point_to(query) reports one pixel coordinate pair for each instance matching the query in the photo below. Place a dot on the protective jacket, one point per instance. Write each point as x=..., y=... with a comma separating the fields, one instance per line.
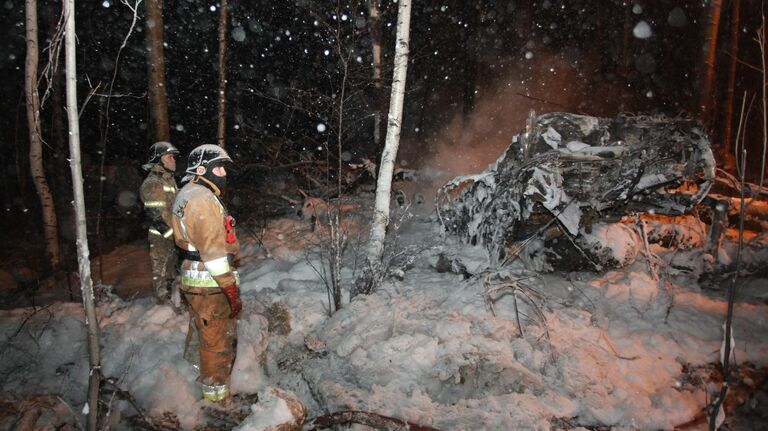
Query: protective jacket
x=158, y=192
x=206, y=238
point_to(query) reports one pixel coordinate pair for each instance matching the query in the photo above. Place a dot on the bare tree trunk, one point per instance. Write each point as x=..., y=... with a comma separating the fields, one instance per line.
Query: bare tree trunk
x=764, y=80
x=222, y=130
x=84, y=264
x=58, y=166
x=372, y=420
x=726, y=347
x=728, y=127
x=336, y=235
x=710, y=59
x=384, y=181
x=61, y=181
x=374, y=23
x=158, y=101
x=50, y=224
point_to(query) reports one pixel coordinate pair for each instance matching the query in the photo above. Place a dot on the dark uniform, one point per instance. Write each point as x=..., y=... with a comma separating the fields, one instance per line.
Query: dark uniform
x=158, y=193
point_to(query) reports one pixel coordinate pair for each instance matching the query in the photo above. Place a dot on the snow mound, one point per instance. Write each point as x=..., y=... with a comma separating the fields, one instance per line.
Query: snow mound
x=618, y=349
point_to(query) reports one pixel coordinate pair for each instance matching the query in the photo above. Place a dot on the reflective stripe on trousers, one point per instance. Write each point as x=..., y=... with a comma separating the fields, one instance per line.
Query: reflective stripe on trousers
x=215, y=393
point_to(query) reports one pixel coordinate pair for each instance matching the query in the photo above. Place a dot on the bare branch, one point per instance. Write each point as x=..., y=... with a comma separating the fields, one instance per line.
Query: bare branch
x=373, y=420
x=498, y=285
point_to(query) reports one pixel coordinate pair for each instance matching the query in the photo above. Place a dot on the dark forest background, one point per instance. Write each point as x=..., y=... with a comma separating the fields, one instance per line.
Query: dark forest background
x=476, y=69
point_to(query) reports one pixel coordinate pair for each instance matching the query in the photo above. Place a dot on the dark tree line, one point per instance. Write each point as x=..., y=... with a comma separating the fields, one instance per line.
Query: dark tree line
x=284, y=70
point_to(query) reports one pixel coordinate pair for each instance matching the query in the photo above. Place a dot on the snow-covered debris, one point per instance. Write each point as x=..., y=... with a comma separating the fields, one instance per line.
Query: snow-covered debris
x=619, y=349
x=607, y=169
x=277, y=410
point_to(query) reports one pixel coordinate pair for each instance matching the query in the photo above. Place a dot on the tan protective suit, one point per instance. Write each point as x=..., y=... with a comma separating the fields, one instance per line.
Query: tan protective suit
x=199, y=225
x=158, y=192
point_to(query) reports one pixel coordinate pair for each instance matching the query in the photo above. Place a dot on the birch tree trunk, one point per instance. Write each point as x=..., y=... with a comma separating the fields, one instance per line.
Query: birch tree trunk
x=158, y=100
x=50, y=224
x=395, y=116
x=374, y=23
x=84, y=264
x=222, y=130
x=710, y=60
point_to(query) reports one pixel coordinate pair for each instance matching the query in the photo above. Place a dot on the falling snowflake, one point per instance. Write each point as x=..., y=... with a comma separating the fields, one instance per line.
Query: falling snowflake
x=321, y=127
x=642, y=30
x=677, y=18
x=238, y=34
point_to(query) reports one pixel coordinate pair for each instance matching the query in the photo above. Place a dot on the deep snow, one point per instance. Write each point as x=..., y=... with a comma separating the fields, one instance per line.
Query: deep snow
x=619, y=349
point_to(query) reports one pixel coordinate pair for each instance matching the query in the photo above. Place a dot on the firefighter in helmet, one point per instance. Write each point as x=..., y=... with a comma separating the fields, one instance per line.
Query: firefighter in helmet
x=158, y=192
x=204, y=232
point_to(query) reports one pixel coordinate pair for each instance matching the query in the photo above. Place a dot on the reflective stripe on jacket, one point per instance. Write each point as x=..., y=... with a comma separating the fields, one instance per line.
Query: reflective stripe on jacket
x=158, y=192
x=199, y=224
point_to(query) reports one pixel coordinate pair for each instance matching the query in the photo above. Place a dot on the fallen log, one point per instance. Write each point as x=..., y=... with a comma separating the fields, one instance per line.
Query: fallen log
x=373, y=420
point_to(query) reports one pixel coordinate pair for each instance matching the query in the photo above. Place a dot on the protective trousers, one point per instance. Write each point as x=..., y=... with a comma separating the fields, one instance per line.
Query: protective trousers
x=162, y=254
x=216, y=336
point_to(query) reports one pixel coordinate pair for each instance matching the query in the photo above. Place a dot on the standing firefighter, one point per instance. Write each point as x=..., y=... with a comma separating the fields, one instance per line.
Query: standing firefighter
x=158, y=193
x=205, y=233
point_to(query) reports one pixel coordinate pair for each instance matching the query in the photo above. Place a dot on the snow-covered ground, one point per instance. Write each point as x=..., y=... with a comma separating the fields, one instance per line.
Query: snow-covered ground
x=623, y=348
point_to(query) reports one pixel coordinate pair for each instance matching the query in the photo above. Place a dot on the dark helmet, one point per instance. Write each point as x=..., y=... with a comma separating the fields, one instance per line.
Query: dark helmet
x=158, y=150
x=205, y=155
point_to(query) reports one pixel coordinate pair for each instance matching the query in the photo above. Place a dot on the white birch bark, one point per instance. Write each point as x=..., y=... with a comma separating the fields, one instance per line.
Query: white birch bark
x=84, y=264
x=392, y=142
x=36, y=168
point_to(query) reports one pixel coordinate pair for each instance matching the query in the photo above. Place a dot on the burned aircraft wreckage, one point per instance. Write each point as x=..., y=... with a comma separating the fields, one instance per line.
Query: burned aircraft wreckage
x=566, y=175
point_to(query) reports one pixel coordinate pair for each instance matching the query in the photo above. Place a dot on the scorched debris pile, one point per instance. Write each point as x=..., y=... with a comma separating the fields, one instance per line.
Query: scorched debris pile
x=564, y=173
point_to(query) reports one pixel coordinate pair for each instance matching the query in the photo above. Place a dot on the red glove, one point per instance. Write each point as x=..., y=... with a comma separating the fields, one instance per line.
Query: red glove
x=233, y=297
